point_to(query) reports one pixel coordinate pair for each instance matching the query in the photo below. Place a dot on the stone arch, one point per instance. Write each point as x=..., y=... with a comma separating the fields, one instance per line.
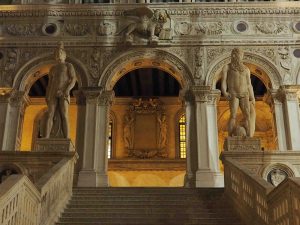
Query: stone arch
x=290, y=169
x=268, y=73
x=39, y=66
x=145, y=58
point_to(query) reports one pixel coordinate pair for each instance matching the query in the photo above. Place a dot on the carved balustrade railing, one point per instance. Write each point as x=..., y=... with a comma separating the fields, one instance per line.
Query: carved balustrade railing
x=19, y=201
x=284, y=203
x=137, y=1
x=40, y=203
x=258, y=201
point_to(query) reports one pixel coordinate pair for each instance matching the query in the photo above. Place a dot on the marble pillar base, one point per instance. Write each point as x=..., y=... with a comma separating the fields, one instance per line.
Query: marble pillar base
x=90, y=178
x=190, y=180
x=206, y=178
x=54, y=145
x=242, y=144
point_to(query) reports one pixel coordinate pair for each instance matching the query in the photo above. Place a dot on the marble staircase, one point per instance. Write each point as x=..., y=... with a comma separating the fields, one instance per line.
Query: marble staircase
x=149, y=206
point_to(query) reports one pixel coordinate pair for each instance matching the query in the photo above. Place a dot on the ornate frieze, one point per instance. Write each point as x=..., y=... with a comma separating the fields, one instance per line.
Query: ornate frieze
x=272, y=27
x=290, y=8
x=22, y=29
x=211, y=28
x=77, y=29
x=106, y=28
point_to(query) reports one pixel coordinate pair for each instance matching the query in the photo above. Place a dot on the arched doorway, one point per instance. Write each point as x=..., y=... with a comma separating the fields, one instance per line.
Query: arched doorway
x=146, y=134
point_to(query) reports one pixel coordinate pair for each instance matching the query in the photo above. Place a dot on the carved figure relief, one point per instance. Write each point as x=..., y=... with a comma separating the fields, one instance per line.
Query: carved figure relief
x=149, y=24
x=9, y=61
x=162, y=138
x=199, y=67
x=285, y=63
x=128, y=131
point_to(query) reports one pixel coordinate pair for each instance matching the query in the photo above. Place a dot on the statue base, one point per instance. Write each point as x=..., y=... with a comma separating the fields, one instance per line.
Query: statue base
x=242, y=144
x=54, y=145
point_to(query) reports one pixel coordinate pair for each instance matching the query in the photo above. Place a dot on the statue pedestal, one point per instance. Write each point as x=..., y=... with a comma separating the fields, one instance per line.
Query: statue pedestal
x=54, y=145
x=242, y=144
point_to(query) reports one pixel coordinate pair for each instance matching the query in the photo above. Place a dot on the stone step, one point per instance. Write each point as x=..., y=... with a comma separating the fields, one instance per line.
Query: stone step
x=175, y=219
x=148, y=206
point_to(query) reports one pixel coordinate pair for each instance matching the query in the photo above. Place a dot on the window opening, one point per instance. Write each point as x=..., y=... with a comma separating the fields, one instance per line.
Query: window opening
x=182, y=137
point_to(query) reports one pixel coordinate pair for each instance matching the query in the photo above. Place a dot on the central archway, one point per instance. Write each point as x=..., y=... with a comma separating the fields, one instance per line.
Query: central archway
x=146, y=107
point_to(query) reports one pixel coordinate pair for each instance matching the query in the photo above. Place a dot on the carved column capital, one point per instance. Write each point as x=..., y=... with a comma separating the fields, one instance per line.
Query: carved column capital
x=14, y=97
x=272, y=97
x=201, y=94
x=106, y=98
x=87, y=95
x=289, y=92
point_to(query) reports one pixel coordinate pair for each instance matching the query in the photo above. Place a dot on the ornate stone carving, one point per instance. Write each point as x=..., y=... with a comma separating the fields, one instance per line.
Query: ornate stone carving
x=9, y=63
x=53, y=145
x=215, y=28
x=271, y=27
x=77, y=29
x=199, y=65
x=106, y=98
x=106, y=28
x=276, y=176
x=145, y=129
x=149, y=24
x=242, y=144
x=213, y=53
x=183, y=28
x=285, y=63
x=22, y=29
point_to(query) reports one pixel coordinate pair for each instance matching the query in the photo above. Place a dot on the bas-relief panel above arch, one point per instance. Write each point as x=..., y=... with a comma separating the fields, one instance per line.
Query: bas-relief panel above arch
x=270, y=74
x=145, y=58
x=38, y=66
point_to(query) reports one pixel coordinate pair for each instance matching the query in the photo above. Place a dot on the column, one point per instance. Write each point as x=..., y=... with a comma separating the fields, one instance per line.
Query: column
x=191, y=138
x=289, y=98
x=12, y=104
x=208, y=173
x=277, y=111
x=91, y=136
x=87, y=136
x=105, y=102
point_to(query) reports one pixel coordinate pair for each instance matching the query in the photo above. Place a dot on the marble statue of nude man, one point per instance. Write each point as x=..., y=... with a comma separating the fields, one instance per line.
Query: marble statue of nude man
x=62, y=79
x=236, y=87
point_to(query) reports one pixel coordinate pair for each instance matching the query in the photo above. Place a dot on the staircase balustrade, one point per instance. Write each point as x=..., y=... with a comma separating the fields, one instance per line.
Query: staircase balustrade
x=257, y=201
x=22, y=202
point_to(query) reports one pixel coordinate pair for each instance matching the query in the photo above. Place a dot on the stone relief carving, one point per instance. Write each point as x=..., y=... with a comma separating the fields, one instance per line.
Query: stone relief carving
x=271, y=27
x=276, y=176
x=106, y=28
x=22, y=29
x=77, y=29
x=199, y=65
x=149, y=24
x=183, y=28
x=285, y=62
x=145, y=129
x=215, y=28
x=9, y=62
x=128, y=131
